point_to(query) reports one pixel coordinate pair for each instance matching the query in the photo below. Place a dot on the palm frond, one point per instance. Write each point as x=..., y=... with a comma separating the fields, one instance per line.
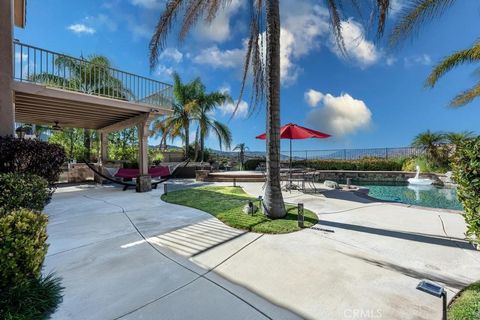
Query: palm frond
x=466, y=96
x=415, y=14
x=223, y=133
x=157, y=43
x=463, y=56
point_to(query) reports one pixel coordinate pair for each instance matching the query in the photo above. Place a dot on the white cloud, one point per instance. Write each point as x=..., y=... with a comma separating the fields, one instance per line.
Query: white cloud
x=341, y=115
x=420, y=59
x=303, y=25
x=357, y=48
x=101, y=21
x=219, y=30
x=313, y=97
x=229, y=107
x=217, y=58
x=80, y=28
x=163, y=70
x=172, y=54
x=396, y=6
x=148, y=4
x=390, y=61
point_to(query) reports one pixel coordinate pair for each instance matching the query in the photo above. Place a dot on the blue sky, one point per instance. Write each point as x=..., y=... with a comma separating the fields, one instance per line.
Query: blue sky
x=373, y=98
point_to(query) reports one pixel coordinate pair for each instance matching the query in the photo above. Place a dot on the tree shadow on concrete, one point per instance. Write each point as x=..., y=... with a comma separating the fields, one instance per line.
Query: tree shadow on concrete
x=411, y=236
x=417, y=274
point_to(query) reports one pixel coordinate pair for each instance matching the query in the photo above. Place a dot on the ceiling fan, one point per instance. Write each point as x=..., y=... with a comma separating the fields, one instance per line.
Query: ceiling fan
x=56, y=127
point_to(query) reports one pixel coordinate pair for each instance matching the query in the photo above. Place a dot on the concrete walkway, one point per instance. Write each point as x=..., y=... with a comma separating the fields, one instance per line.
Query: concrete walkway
x=125, y=255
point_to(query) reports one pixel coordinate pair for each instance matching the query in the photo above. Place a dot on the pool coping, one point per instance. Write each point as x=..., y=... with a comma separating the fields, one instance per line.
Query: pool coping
x=363, y=192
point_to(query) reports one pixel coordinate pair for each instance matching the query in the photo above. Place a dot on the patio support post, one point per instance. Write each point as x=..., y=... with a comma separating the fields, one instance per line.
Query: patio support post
x=7, y=113
x=144, y=181
x=103, y=147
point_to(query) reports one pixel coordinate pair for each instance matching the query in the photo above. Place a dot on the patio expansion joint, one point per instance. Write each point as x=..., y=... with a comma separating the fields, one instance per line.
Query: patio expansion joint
x=447, y=235
x=199, y=275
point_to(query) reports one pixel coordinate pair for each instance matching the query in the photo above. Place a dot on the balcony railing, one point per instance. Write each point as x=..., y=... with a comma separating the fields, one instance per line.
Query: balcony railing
x=90, y=76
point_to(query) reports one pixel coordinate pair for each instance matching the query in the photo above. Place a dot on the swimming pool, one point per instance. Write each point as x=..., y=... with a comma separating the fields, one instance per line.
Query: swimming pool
x=425, y=196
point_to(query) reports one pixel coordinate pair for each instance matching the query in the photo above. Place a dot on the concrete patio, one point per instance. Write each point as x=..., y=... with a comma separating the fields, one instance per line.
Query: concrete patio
x=127, y=255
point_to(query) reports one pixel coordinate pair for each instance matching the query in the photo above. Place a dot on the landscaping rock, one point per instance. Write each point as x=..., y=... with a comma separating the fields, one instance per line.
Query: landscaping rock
x=331, y=184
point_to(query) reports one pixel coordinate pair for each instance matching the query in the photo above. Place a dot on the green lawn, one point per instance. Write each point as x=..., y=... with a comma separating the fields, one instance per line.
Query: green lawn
x=467, y=304
x=226, y=204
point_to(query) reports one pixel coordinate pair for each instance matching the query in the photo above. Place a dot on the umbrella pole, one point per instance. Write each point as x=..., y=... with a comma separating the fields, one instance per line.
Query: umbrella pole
x=290, y=163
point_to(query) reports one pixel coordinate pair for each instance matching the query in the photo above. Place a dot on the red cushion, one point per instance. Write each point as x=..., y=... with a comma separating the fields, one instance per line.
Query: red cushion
x=133, y=173
x=127, y=173
x=159, y=172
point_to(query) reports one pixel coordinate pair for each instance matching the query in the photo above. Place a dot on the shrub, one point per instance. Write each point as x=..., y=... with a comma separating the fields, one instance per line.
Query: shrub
x=425, y=165
x=23, y=191
x=366, y=164
x=36, y=299
x=23, y=246
x=252, y=164
x=466, y=173
x=31, y=156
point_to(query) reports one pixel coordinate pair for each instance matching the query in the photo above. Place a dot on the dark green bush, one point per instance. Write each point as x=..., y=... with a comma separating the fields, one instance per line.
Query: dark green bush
x=31, y=156
x=466, y=173
x=367, y=164
x=23, y=246
x=252, y=164
x=36, y=299
x=23, y=191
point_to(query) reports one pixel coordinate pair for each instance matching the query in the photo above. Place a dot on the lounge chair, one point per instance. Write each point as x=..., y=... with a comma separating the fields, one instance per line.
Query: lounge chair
x=164, y=173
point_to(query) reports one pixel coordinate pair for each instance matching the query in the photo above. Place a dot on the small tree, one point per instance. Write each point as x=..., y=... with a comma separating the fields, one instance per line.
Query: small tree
x=466, y=173
x=241, y=147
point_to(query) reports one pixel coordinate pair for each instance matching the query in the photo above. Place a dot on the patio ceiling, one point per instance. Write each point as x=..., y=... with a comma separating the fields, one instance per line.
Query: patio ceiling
x=38, y=104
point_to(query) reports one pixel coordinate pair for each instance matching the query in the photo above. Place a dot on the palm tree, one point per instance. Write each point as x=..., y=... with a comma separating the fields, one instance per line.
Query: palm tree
x=185, y=104
x=457, y=138
x=430, y=142
x=265, y=72
x=241, y=147
x=416, y=15
x=91, y=75
x=207, y=104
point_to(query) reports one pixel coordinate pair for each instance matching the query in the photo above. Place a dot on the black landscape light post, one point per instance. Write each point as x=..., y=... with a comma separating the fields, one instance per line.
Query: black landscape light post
x=165, y=189
x=300, y=215
x=437, y=291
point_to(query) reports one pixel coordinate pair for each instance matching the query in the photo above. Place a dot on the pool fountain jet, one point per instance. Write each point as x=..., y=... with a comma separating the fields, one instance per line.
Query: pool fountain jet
x=419, y=181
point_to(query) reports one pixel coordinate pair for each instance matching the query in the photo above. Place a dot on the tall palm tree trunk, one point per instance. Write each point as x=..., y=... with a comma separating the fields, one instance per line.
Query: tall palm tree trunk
x=187, y=138
x=273, y=203
x=202, y=147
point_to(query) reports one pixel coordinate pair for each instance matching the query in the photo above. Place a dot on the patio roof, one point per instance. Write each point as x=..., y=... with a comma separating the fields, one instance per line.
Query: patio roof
x=39, y=104
x=81, y=94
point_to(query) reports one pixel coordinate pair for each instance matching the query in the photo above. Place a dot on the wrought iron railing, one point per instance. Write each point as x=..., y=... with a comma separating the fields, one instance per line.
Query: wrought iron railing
x=90, y=76
x=342, y=154
x=355, y=154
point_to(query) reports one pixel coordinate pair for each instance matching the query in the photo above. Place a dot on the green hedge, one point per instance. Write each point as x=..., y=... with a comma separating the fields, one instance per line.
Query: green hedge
x=252, y=164
x=23, y=191
x=370, y=164
x=31, y=156
x=466, y=173
x=23, y=246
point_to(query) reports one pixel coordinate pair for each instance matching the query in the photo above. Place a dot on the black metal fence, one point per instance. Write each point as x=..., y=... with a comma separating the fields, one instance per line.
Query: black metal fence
x=355, y=154
x=36, y=65
x=339, y=154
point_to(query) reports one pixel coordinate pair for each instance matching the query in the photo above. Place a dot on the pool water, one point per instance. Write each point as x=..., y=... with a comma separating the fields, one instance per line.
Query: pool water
x=425, y=196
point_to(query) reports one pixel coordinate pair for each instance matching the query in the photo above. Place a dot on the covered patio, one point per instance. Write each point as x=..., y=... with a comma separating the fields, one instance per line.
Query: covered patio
x=38, y=89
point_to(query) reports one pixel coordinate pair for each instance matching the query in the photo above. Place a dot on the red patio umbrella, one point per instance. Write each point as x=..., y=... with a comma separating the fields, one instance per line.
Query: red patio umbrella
x=293, y=131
